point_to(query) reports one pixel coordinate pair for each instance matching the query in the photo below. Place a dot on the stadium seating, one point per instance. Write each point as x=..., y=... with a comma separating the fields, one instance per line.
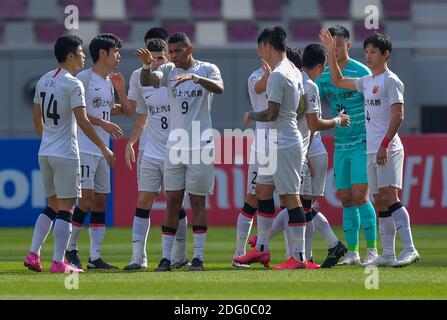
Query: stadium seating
x=334, y=9
x=109, y=9
x=85, y=8
x=211, y=33
x=242, y=31
x=267, y=9
x=397, y=9
x=180, y=26
x=232, y=21
x=305, y=30
x=237, y=9
x=13, y=9
x=140, y=9
x=206, y=9
x=121, y=29
x=46, y=32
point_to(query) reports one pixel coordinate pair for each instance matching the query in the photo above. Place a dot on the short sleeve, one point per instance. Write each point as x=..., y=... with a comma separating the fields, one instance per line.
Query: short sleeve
x=395, y=91
x=213, y=72
x=359, y=83
x=77, y=96
x=141, y=106
x=163, y=73
x=134, y=86
x=275, y=87
x=37, y=93
x=83, y=77
x=312, y=99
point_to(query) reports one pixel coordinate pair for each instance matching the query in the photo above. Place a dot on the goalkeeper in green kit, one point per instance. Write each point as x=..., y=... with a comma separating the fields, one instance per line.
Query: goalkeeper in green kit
x=350, y=156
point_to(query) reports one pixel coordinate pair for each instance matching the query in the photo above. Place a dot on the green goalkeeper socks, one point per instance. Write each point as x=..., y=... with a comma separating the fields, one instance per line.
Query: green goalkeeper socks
x=351, y=226
x=369, y=224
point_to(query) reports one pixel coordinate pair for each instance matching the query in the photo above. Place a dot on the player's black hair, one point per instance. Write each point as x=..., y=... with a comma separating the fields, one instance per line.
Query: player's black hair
x=156, y=33
x=275, y=36
x=313, y=55
x=64, y=45
x=295, y=56
x=339, y=31
x=158, y=45
x=105, y=41
x=180, y=37
x=380, y=41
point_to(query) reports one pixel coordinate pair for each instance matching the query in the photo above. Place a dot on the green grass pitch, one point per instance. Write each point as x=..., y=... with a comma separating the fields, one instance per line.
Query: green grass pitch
x=424, y=280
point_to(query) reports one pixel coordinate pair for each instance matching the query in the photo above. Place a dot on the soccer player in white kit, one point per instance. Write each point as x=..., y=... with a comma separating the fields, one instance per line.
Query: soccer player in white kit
x=384, y=112
x=191, y=85
x=314, y=166
x=284, y=89
x=59, y=106
x=100, y=83
x=141, y=222
x=257, y=83
x=153, y=112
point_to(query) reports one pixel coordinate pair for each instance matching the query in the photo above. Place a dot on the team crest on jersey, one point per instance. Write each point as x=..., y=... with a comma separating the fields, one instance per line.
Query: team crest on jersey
x=375, y=89
x=98, y=102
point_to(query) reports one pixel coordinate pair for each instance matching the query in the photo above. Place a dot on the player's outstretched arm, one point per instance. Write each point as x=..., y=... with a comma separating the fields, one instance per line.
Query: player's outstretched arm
x=212, y=85
x=137, y=131
x=270, y=114
x=125, y=106
x=113, y=129
x=337, y=78
x=316, y=124
x=37, y=120
x=86, y=126
x=147, y=77
x=261, y=85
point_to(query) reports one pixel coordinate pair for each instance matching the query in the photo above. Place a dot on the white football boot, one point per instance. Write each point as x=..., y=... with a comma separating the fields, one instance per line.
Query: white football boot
x=407, y=257
x=352, y=258
x=371, y=255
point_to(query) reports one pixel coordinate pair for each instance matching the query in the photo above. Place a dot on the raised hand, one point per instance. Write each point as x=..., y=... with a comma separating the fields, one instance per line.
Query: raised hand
x=145, y=56
x=118, y=81
x=327, y=39
x=266, y=67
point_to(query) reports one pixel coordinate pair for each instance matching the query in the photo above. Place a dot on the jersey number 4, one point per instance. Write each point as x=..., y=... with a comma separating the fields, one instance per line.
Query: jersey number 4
x=52, y=104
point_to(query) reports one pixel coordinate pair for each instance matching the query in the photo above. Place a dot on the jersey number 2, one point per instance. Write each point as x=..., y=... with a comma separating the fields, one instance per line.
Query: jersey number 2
x=52, y=104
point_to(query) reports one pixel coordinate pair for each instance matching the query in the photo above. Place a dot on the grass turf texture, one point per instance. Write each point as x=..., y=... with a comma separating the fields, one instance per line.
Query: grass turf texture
x=424, y=280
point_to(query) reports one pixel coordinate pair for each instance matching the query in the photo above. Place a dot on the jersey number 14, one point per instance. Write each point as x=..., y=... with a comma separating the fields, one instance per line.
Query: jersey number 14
x=52, y=104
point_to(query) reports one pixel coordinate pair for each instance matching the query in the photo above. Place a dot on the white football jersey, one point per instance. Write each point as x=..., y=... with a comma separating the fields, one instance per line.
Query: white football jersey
x=156, y=106
x=100, y=99
x=135, y=93
x=58, y=92
x=380, y=93
x=311, y=105
x=190, y=106
x=259, y=103
x=285, y=87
